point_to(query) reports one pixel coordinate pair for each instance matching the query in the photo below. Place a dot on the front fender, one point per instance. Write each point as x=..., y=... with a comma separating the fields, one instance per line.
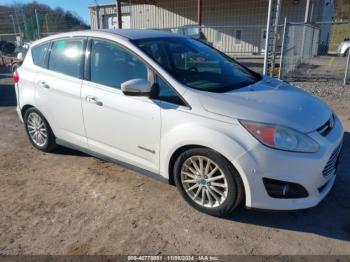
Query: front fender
x=345, y=48
x=226, y=144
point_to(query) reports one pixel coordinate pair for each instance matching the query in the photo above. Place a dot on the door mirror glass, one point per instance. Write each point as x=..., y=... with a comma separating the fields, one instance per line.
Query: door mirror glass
x=137, y=87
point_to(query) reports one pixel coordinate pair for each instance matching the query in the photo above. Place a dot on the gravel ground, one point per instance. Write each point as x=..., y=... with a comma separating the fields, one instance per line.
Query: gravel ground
x=70, y=203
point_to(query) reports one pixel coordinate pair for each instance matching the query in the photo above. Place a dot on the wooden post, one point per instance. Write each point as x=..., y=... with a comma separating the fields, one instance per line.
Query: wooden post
x=199, y=12
x=119, y=13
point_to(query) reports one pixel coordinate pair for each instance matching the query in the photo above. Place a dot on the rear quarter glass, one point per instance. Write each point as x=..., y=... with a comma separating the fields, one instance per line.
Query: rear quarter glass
x=38, y=54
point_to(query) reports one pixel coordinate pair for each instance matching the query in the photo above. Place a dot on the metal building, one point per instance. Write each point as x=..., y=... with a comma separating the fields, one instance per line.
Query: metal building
x=237, y=27
x=105, y=16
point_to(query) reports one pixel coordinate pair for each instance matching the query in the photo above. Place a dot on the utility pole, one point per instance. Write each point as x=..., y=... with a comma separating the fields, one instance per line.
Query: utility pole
x=37, y=23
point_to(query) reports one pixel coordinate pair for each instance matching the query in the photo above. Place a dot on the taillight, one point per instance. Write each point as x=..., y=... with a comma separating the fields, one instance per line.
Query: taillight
x=15, y=77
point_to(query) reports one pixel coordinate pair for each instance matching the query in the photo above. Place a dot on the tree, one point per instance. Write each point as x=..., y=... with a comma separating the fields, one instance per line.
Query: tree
x=18, y=18
x=342, y=10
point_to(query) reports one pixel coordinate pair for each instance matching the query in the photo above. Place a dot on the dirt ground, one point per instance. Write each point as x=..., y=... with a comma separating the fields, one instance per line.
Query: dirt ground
x=321, y=68
x=70, y=203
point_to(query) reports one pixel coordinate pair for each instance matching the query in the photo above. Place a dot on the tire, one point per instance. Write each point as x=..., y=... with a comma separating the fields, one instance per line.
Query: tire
x=222, y=204
x=33, y=119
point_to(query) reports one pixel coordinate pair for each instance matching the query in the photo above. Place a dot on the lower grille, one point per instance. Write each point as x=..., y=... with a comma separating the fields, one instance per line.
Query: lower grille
x=331, y=165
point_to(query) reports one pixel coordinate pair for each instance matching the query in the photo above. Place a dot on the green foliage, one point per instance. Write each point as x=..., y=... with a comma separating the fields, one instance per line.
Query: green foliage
x=50, y=20
x=342, y=10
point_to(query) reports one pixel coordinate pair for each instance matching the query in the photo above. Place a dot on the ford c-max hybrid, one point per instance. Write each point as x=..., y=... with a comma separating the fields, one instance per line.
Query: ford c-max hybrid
x=181, y=111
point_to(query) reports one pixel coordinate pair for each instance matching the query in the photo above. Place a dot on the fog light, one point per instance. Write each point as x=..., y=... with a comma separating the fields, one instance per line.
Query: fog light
x=283, y=189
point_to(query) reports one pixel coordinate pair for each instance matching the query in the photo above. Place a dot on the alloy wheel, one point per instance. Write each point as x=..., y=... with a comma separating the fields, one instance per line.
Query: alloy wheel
x=204, y=182
x=37, y=129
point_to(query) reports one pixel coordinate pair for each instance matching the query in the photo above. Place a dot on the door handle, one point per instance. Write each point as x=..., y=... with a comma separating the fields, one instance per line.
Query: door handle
x=94, y=100
x=42, y=83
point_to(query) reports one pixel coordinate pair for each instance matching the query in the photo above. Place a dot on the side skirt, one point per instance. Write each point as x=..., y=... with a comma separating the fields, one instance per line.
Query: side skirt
x=112, y=160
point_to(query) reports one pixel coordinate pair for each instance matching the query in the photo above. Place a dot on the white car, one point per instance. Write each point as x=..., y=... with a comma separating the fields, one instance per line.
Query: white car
x=344, y=47
x=183, y=112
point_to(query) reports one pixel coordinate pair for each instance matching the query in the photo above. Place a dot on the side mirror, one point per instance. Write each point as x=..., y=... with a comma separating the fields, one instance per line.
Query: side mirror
x=137, y=87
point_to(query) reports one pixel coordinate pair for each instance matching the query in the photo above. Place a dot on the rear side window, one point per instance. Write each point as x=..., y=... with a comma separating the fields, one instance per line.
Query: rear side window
x=111, y=65
x=66, y=57
x=38, y=54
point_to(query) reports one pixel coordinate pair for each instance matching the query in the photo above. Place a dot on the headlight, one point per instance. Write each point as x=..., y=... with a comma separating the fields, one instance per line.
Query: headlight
x=282, y=138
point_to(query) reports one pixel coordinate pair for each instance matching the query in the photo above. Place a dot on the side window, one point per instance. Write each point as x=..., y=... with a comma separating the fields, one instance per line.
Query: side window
x=66, y=57
x=38, y=54
x=112, y=65
x=167, y=93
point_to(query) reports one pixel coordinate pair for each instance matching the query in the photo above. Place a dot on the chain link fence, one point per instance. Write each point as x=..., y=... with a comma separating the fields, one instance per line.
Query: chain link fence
x=311, y=51
x=19, y=27
x=236, y=28
x=311, y=55
x=301, y=43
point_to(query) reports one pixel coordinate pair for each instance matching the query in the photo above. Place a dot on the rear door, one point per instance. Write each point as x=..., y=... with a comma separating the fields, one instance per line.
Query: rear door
x=58, y=89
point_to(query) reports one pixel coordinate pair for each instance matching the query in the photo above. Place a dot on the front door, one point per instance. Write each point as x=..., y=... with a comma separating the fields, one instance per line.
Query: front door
x=119, y=126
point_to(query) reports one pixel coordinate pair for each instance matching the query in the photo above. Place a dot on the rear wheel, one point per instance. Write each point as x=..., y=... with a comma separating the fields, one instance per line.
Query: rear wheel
x=39, y=131
x=207, y=181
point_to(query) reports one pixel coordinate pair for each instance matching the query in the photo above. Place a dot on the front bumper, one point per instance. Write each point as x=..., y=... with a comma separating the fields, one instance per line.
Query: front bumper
x=304, y=169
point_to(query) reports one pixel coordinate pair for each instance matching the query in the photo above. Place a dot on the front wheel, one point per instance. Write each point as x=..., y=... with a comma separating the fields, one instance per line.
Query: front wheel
x=208, y=182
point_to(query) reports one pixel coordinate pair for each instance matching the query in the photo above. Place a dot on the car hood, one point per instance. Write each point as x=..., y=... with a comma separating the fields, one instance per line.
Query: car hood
x=270, y=101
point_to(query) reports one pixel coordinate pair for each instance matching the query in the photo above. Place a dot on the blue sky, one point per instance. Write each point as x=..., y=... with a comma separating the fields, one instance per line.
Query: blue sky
x=78, y=6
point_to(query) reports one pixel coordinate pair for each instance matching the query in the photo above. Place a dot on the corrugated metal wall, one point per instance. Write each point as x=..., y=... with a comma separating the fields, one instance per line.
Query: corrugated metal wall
x=165, y=14
x=222, y=19
x=105, y=10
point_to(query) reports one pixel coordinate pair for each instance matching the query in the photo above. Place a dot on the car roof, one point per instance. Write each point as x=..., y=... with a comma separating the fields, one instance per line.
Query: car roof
x=135, y=34
x=131, y=34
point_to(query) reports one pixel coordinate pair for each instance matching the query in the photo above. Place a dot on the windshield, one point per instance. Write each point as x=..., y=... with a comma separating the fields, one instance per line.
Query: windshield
x=197, y=65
